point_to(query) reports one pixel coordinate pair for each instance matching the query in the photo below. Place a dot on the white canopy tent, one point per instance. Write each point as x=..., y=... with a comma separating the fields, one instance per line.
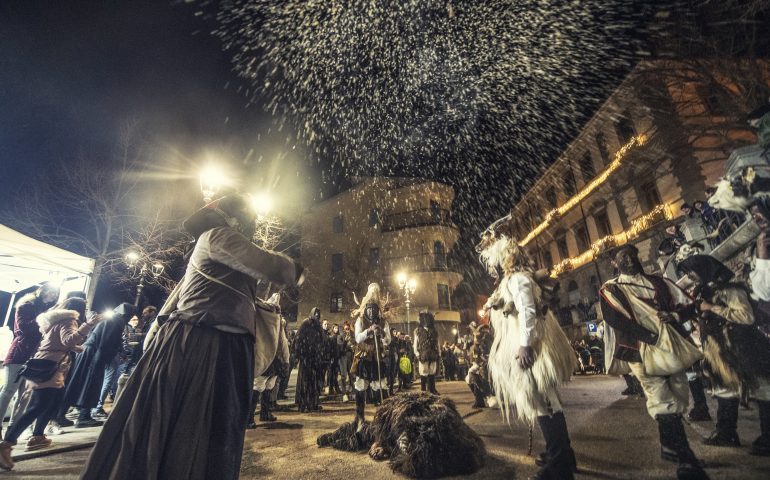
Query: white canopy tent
x=25, y=262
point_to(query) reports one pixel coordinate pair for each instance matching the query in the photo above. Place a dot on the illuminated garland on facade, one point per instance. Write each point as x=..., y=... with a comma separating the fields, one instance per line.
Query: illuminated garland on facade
x=553, y=216
x=656, y=215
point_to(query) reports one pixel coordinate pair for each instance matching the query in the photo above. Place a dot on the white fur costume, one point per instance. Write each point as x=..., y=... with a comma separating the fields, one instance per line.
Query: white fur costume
x=516, y=321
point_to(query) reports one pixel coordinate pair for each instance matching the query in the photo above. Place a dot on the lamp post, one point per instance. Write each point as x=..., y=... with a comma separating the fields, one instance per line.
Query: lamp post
x=408, y=286
x=142, y=269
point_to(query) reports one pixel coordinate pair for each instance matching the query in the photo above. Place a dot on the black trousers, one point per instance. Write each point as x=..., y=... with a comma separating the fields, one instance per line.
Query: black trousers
x=42, y=407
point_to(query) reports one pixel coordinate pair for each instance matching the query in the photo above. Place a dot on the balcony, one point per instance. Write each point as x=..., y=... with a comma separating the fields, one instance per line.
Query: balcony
x=424, y=217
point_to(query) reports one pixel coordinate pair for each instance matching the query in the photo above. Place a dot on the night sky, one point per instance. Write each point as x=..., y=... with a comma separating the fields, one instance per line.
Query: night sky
x=71, y=73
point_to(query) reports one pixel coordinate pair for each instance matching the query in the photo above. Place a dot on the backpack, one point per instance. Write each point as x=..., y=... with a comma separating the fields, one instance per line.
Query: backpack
x=404, y=365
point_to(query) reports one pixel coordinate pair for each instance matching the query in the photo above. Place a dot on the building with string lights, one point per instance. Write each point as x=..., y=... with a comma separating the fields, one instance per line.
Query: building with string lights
x=397, y=232
x=656, y=143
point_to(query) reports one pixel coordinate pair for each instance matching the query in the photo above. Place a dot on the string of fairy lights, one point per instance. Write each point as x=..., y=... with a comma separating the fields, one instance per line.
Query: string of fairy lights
x=554, y=215
x=658, y=214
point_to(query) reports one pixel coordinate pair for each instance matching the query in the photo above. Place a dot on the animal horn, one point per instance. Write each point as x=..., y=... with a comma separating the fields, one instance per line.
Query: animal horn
x=355, y=299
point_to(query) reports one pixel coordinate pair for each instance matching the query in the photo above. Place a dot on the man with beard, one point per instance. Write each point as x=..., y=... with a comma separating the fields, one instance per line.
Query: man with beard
x=308, y=346
x=372, y=335
x=633, y=304
x=426, y=351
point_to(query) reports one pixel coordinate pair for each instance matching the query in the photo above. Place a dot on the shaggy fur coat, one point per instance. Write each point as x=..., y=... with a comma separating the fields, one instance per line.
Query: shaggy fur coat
x=736, y=353
x=423, y=436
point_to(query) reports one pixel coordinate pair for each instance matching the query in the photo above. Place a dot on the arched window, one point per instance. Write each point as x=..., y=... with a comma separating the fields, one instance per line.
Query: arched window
x=439, y=254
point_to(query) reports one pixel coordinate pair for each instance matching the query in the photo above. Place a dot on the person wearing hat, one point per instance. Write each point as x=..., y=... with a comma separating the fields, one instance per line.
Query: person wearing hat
x=184, y=411
x=427, y=352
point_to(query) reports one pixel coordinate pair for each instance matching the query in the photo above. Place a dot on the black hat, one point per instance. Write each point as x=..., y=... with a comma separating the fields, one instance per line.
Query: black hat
x=233, y=210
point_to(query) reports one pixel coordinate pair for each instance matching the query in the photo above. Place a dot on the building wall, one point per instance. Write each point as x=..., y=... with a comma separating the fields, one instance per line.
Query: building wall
x=682, y=157
x=406, y=234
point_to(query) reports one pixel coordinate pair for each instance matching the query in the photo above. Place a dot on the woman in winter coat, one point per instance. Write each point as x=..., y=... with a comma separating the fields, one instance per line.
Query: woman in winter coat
x=26, y=338
x=87, y=377
x=61, y=333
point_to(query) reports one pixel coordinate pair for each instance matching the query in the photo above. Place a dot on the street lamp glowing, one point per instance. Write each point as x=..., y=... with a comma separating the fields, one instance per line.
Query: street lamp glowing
x=132, y=258
x=412, y=284
x=107, y=314
x=211, y=180
x=157, y=269
x=401, y=277
x=262, y=203
x=482, y=313
x=454, y=331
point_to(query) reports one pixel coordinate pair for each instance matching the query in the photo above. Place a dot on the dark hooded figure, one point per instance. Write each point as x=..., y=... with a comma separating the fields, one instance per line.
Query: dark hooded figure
x=87, y=377
x=426, y=349
x=736, y=353
x=307, y=348
x=183, y=412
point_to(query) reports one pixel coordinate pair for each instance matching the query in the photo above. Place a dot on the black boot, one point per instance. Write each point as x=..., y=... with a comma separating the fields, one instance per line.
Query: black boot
x=432, y=384
x=726, y=434
x=674, y=447
x=761, y=446
x=478, y=395
x=360, y=406
x=700, y=409
x=264, y=408
x=559, y=460
x=630, y=387
x=423, y=383
x=254, y=400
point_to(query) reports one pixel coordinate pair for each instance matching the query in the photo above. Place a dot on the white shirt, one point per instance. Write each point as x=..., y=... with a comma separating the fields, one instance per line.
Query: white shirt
x=521, y=288
x=362, y=334
x=760, y=279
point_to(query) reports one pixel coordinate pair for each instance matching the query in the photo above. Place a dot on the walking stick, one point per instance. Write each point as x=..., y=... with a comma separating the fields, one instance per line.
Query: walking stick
x=379, y=373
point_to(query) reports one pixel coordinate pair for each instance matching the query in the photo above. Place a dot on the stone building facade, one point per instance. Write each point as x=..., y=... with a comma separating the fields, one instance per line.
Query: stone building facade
x=372, y=232
x=692, y=116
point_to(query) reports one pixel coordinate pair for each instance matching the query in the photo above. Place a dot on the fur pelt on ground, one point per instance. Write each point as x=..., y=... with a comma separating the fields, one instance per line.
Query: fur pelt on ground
x=423, y=436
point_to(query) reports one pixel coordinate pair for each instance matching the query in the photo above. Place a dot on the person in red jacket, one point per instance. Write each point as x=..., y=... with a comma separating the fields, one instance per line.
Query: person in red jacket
x=26, y=338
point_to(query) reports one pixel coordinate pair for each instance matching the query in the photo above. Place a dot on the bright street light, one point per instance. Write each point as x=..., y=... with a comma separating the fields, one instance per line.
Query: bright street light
x=132, y=258
x=262, y=203
x=212, y=179
x=482, y=313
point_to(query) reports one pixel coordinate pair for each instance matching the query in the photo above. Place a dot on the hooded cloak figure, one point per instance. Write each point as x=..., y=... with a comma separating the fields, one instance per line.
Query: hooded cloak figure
x=530, y=355
x=372, y=335
x=307, y=348
x=736, y=353
x=427, y=351
x=184, y=411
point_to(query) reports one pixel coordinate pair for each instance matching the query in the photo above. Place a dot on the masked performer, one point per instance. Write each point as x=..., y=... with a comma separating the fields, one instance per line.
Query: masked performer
x=637, y=306
x=307, y=347
x=372, y=335
x=530, y=355
x=184, y=411
x=266, y=383
x=427, y=352
x=478, y=373
x=737, y=354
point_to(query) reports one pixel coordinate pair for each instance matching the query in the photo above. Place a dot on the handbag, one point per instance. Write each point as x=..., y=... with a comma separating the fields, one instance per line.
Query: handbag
x=671, y=353
x=38, y=370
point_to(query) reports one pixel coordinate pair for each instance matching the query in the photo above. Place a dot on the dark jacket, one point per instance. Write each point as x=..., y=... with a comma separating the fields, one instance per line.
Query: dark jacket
x=101, y=346
x=26, y=332
x=220, y=284
x=427, y=344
